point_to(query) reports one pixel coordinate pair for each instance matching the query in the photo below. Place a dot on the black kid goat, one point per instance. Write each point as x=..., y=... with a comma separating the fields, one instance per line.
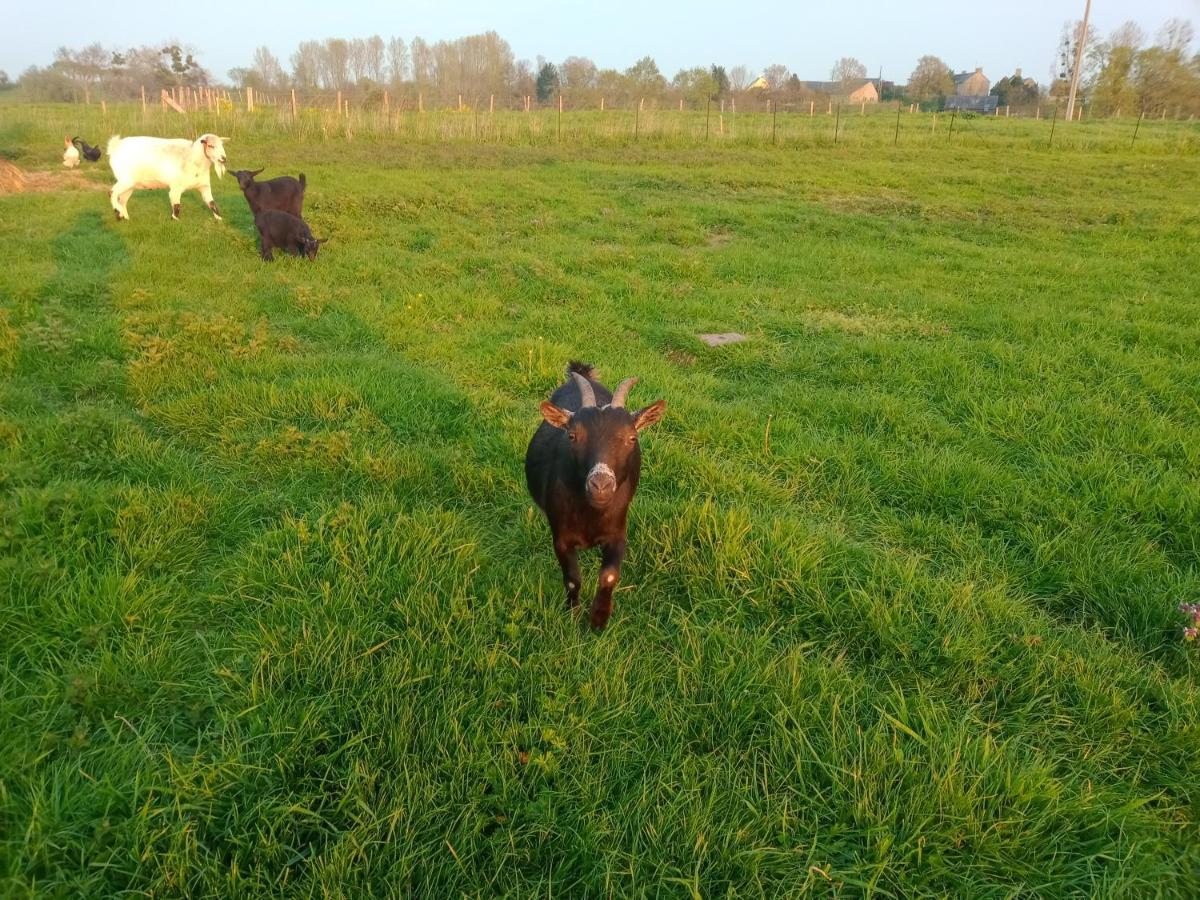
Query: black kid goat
x=582, y=468
x=285, y=192
x=287, y=232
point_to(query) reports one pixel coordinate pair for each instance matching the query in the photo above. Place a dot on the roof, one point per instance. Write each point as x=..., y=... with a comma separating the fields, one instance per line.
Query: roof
x=836, y=87
x=960, y=77
x=986, y=103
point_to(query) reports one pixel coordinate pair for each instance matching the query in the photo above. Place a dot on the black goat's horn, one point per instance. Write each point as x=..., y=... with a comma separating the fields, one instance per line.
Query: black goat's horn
x=587, y=395
x=622, y=391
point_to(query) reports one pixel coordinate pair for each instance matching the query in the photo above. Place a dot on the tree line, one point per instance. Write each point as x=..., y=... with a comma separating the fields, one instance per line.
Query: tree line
x=1123, y=73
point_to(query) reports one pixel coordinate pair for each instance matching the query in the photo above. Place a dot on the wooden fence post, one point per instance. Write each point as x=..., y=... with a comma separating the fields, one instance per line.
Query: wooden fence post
x=293, y=106
x=707, y=115
x=491, y=104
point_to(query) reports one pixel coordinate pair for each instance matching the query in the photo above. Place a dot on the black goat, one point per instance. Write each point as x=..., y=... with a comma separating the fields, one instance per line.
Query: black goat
x=582, y=468
x=285, y=192
x=86, y=150
x=287, y=232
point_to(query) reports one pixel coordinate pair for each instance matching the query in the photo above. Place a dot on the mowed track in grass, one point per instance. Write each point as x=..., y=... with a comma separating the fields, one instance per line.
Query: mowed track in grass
x=898, y=616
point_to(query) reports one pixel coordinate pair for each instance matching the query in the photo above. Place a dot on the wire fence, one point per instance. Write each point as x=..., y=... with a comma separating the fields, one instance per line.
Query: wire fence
x=797, y=123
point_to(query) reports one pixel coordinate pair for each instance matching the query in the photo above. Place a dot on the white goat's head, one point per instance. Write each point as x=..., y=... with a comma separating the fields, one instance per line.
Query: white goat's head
x=214, y=151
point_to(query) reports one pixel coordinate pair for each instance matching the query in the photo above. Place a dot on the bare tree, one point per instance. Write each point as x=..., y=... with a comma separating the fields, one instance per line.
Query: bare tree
x=848, y=69
x=375, y=59
x=398, y=60
x=335, y=64
x=358, y=59
x=422, y=62
x=776, y=75
x=1176, y=34
x=739, y=78
x=306, y=65
x=268, y=70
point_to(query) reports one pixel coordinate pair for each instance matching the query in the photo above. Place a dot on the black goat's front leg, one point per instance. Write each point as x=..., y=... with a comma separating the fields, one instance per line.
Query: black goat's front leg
x=610, y=573
x=568, y=558
x=266, y=251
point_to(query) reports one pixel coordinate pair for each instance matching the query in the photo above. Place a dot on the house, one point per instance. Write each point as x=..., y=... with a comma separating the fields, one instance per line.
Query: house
x=859, y=90
x=972, y=84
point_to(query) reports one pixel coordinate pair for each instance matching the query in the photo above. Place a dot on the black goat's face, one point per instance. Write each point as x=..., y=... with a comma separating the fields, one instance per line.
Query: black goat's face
x=245, y=178
x=603, y=442
x=312, y=246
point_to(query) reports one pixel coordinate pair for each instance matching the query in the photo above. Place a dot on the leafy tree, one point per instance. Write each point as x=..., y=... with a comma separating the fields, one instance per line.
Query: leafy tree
x=643, y=76
x=578, y=73
x=931, y=79
x=721, y=79
x=1015, y=90
x=548, y=81
x=1112, y=87
x=696, y=85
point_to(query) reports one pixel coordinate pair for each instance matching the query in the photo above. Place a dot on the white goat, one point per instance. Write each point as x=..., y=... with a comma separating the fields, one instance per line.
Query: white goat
x=70, y=155
x=176, y=164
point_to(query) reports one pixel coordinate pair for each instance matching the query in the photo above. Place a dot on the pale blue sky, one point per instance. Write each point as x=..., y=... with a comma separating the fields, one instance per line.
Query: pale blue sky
x=806, y=37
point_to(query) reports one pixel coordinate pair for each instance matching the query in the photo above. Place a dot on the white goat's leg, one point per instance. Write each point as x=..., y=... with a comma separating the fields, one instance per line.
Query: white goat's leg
x=206, y=195
x=118, y=197
x=176, y=194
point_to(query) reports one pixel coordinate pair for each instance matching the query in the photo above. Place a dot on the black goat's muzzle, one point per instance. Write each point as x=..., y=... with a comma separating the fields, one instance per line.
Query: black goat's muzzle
x=601, y=485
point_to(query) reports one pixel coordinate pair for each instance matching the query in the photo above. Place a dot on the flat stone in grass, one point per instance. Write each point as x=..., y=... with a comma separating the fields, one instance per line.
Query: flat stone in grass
x=720, y=340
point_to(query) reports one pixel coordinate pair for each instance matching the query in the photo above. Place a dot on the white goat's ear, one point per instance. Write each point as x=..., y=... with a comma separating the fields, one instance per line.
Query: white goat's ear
x=648, y=415
x=224, y=139
x=555, y=416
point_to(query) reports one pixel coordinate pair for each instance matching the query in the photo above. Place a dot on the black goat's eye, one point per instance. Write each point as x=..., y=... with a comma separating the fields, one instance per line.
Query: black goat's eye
x=571, y=436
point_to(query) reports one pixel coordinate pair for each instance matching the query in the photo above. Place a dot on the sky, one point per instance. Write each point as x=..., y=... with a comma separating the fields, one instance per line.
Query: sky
x=806, y=37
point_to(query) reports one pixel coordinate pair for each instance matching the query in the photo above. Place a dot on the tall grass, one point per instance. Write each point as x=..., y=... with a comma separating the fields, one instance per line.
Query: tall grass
x=900, y=612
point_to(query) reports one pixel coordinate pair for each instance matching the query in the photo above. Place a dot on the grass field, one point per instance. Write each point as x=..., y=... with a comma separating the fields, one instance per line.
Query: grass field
x=899, y=616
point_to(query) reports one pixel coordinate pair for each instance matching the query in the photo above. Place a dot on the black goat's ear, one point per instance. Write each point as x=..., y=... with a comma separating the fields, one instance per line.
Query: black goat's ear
x=648, y=415
x=555, y=416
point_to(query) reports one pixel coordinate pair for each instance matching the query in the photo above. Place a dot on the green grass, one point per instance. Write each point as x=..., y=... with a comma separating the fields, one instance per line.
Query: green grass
x=899, y=614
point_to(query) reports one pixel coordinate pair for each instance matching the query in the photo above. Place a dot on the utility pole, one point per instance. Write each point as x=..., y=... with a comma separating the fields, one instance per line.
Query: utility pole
x=1082, y=39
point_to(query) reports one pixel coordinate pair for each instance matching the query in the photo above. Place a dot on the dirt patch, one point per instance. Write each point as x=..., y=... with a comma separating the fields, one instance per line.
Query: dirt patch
x=720, y=340
x=719, y=238
x=15, y=180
